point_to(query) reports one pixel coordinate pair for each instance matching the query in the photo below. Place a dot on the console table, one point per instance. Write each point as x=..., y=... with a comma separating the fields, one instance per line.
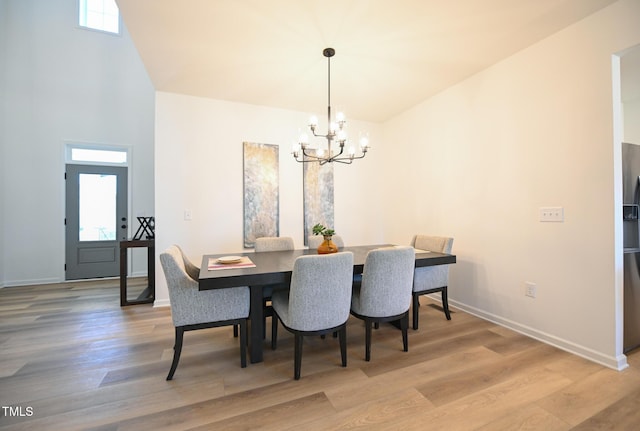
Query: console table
x=148, y=295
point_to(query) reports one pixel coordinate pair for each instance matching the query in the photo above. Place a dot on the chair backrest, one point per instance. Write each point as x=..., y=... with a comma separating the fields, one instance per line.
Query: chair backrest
x=431, y=277
x=387, y=280
x=191, y=306
x=314, y=241
x=192, y=270
x=274, y=243
x=179, y=283
x=320, y=294
x=438, y=244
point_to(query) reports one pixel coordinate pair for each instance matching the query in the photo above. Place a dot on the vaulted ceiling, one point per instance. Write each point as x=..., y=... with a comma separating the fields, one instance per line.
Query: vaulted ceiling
x=390, y=55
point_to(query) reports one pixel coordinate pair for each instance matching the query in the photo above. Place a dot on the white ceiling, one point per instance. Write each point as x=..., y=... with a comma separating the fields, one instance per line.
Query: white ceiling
x=390, y=55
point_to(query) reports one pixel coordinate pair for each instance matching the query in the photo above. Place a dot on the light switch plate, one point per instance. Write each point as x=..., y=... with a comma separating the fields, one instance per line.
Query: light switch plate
x=530, y=289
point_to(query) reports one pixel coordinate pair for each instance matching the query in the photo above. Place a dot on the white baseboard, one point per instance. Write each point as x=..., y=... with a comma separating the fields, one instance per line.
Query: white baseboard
x=159, y=303
x=618, y=363
x=14, y=283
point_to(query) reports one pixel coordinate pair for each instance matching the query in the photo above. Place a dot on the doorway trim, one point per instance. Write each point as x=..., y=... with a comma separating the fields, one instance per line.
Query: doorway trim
x=67, y=153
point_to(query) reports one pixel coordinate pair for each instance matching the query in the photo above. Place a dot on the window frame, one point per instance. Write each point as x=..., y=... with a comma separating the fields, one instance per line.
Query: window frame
x=70, y=146
x=81, y=5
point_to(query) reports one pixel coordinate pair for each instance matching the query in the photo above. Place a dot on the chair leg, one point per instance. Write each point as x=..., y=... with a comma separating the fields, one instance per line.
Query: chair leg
x=342, y=335
x=445, y=303
x=274, y=331
x=298, y=356
x=177, y=349
x=404, y=326
x=243, y=343
x=367, y=340
x=267, y=311
x=415, y=306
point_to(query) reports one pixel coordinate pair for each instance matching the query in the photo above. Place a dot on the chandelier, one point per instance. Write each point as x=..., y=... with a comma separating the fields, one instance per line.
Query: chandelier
x=335, y=132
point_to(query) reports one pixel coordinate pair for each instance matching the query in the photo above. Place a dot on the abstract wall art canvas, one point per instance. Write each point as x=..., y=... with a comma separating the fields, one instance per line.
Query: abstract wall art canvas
x=318, y=196
x=261, y=193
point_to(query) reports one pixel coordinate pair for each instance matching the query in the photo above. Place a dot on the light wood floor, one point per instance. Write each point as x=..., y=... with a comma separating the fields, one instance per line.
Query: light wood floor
x=71, y=356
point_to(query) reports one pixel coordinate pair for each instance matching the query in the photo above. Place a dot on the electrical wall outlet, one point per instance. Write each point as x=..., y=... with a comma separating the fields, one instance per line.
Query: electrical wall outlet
x=553, y=214
x=530, y=289
x=188, y=215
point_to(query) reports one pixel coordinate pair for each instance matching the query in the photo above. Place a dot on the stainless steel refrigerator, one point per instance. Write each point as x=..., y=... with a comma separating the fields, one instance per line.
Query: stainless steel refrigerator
x=631, y=195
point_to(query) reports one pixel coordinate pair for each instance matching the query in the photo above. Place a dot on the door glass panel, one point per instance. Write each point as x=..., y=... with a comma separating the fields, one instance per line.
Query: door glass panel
x=97, y=199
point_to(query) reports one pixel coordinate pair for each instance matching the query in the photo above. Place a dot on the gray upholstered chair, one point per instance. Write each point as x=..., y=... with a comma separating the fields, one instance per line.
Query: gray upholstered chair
x=431, y=279
x=271, y=243
x=317, y=302
x=314, y=241
x=193, y=309
x=385, y=291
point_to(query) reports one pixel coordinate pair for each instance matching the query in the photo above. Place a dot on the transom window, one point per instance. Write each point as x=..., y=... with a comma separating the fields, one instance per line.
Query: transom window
x=96, y=155
x=99, y=15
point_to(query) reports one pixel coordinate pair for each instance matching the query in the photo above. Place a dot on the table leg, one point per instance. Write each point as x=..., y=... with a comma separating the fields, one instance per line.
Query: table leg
x=123, y=276
x=256, y=317
x=151, y=271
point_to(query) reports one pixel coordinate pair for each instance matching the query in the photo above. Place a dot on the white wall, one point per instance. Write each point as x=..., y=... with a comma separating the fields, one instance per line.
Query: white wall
x=198, y=166
x=632, y=120
x=62, y=83
x=630, y=84
x=534, y=130
x=3, y=127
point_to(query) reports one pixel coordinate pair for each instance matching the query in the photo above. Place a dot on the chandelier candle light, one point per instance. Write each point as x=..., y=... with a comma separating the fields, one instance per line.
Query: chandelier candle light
x=336, y=131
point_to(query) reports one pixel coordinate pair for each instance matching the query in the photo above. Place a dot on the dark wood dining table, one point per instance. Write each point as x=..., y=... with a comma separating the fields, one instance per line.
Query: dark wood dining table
x=274, y=267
